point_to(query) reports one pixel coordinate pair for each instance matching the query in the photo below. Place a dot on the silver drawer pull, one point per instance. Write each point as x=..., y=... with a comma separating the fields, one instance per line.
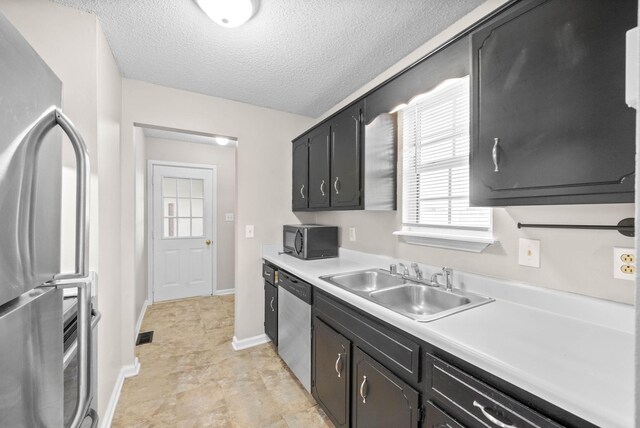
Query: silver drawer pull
x=335, y=185
x=322, y=187
x=362, y=391
x=491, y=418
x=495, y=155
x=271, y=304
x=338, y=369
x=302, y=191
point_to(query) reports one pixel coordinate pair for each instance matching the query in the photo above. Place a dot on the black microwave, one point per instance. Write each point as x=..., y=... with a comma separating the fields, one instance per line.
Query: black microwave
x=310, y=241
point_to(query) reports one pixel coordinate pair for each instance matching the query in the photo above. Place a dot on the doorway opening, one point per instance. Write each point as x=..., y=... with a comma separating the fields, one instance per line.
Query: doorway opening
x=185, y=212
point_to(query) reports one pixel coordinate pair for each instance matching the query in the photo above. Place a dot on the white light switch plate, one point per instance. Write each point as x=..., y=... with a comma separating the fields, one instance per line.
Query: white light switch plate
x=352, y=234
x=228, y=217
x=248, y=231
x=529, y=253
x=624, y=263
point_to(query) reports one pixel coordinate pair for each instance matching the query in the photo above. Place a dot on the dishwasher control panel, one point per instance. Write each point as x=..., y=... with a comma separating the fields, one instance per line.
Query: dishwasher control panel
x=296, y=286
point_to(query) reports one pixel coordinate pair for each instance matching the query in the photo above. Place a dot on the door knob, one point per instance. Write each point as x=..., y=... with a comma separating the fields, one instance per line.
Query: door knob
x=208, y=242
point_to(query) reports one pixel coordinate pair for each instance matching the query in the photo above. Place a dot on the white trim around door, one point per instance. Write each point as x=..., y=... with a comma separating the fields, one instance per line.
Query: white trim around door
x=151, y=164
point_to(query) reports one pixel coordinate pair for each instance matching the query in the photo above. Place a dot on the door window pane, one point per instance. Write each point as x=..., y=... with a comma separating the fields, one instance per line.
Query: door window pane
x=184, y=207
x=197, y=188
x=197, y=207
x=169, y=207
x=184, y=188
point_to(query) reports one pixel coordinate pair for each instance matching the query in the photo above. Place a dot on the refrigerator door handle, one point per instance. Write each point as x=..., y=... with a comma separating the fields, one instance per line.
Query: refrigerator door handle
x=51, y=118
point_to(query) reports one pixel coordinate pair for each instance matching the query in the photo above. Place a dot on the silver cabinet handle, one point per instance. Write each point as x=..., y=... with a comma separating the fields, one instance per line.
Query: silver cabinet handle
x=362, y=391
x=302, y=191
x=271, y=304
x=491, y=418
x=322, y=187
x=335, y=185
x=338, y=369
x=495, y=155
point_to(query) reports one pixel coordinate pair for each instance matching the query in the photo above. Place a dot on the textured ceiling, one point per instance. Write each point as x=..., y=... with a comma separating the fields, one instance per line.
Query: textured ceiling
x=300, y=56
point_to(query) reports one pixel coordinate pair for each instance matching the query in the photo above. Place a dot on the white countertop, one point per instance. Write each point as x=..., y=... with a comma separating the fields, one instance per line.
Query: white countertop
x=573, y=351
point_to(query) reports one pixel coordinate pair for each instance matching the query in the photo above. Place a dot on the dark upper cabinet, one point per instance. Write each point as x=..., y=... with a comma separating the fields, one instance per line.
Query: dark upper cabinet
x=346, y=145
x=319, y=179
x=380, y=399
x=549, y=119
x=271, y=312
x=331, y=372
x=300, y=177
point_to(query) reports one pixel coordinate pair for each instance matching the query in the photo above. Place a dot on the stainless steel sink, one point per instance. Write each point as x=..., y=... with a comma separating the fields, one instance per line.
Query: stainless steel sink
x=368, y=280
x=416, y=300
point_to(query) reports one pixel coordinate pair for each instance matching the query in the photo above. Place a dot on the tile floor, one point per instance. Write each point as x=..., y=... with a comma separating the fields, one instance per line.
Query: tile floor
x=191, y=377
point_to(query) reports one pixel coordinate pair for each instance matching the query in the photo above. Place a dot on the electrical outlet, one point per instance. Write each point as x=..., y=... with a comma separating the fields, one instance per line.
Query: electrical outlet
x=624, y=263
x=529, y=253
x=248, y=231
x=352, y=234
x=228, y=217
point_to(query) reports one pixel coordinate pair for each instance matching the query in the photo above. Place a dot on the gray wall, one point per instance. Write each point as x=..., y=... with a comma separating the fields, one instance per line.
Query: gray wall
x=225, y=160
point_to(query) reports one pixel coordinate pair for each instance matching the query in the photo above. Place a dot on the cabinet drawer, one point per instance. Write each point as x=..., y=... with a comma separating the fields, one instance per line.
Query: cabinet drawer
x=477, y=404
x=396, y=352
x=269, y=274
x=436, y=418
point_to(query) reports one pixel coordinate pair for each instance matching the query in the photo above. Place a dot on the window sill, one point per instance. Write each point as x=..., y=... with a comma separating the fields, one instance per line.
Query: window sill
x=450, y=241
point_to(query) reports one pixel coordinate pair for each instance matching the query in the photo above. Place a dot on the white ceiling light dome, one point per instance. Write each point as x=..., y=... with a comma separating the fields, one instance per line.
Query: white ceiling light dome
x=229, y=13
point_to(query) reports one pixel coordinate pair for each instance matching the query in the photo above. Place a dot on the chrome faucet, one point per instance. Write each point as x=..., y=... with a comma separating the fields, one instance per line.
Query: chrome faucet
x=447, y=276
x=405, y=270
x=417, y=270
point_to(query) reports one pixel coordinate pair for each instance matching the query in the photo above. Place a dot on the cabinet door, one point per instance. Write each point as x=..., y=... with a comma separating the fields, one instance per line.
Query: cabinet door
x=271, y=312
x=380, y=398
x=300, y=167
x=319, y=168
x=436, y=418
x=550, y=123
x=331, y=370
x=346, y=152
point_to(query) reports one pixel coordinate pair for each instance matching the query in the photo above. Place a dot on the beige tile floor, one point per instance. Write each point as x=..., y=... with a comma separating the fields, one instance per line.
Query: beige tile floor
x=191, y=377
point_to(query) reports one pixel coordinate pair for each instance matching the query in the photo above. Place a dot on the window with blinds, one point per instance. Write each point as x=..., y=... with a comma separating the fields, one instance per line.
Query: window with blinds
x=436, y=161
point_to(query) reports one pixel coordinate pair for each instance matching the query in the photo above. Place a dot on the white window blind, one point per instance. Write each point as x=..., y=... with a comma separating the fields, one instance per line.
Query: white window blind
x=436, y=160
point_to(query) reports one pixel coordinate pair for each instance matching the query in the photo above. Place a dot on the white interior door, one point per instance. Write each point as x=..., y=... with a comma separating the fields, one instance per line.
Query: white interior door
x=183, y=232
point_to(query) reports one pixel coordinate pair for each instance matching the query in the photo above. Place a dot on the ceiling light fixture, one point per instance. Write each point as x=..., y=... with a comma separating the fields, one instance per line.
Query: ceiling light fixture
x=229, y=13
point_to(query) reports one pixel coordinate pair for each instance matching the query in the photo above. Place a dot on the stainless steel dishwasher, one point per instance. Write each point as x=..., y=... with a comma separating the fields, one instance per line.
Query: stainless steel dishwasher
x=294, y=326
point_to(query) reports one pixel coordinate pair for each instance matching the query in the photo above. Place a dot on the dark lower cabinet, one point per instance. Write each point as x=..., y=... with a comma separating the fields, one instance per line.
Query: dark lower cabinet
x=436, y=418
x=549, y=119
x=331, y=371
x=271, y=312
x=381, y=399
x=475, y=403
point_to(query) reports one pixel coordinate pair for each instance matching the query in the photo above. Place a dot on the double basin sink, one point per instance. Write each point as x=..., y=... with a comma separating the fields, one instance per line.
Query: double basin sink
x=416, y=300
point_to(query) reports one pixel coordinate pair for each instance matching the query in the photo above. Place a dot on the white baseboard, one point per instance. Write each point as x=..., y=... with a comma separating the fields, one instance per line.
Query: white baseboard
x=249, y=342
x=224, y=292
x=140, y=318
x=125, y=372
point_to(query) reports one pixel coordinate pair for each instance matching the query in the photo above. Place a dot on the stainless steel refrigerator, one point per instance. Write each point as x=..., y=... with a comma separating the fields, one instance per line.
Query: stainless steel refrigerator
x=31, y=342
